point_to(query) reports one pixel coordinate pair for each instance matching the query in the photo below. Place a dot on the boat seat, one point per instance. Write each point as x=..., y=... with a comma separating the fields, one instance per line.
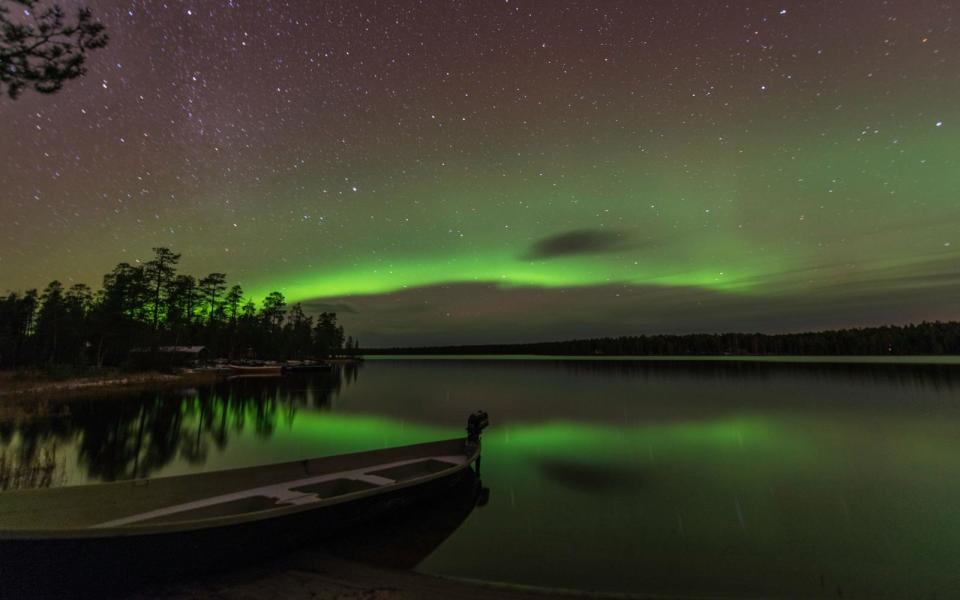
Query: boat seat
x=301, y=491
x=335, y=487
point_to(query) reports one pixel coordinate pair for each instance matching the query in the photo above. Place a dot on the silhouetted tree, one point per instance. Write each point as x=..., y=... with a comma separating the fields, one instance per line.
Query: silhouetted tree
x=921, y=338
x=211, y=287
x=351, y=347
x=273, y=309
x=233, y=299
x=48, y=320
x=17, y=315
x=327, y=335
x=78, y=302
x=159, y=272
x=126, y=291
x=39, y=48
x=148, y=306
x=298, y=334
x=183, y=300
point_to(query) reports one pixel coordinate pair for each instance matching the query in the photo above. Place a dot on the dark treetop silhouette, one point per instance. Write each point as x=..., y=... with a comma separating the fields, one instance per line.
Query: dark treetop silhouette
x=151, y=305
x=41, y=49
x=925, y=338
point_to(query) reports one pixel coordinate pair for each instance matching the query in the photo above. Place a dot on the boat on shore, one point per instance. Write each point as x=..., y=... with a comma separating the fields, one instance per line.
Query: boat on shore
x=70, y=538
x=268, y=370
x=345, y=360
x=305, y=366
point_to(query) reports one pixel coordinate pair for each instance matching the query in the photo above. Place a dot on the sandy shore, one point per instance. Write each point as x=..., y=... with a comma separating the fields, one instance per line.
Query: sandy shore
x=33, y=397
x=316, y=575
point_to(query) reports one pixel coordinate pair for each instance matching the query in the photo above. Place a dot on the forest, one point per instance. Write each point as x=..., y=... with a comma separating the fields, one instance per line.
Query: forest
x=927, y=338
x=150, y=305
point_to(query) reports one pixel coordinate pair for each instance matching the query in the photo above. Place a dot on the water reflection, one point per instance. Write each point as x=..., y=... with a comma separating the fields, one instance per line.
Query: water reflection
x=592, y=478
x=41, y=471
x=138, y=434
x=677, y=478
x=937, y=376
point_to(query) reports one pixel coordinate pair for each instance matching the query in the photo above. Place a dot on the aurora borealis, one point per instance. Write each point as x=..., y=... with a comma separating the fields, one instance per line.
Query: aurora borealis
x=479, y=172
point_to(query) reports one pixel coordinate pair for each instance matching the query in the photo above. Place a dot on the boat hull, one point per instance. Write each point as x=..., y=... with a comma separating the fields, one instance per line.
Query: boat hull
x=99, y=540
x=98, y=566
x=307, y=368
x=256, y=370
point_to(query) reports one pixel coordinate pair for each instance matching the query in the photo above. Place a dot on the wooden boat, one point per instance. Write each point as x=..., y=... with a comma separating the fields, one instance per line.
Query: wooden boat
x=405, y=538
x=305, y=366
x=269, y=370
x=345, y=360
x=55, y=539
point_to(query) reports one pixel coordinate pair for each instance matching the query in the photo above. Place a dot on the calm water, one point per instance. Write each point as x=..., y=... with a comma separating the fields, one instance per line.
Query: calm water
x=716, y=478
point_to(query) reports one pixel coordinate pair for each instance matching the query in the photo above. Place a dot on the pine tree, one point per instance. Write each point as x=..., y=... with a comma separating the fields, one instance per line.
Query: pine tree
x=45, y=50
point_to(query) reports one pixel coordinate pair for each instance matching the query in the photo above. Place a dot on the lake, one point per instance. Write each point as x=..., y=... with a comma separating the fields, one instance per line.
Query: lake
x=716, y=478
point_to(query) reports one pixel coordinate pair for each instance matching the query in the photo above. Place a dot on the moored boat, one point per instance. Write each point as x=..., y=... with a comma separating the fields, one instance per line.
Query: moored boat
x=111, y=536
x=267, y=369
x=297, y=366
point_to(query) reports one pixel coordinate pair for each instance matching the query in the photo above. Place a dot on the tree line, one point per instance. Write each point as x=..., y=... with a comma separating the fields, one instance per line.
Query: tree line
x=930, y=338
x=151, y=305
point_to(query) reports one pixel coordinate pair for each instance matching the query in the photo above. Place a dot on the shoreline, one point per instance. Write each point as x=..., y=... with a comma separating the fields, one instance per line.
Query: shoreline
x=23, y=384
x=15, y=385
x=845, y=359
x=315, y=574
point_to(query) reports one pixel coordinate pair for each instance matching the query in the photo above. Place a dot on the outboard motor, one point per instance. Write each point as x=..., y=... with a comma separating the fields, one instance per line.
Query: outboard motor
x=477, y=422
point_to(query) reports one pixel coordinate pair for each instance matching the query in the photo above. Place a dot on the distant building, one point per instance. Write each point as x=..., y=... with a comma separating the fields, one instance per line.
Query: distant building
x=168, y=356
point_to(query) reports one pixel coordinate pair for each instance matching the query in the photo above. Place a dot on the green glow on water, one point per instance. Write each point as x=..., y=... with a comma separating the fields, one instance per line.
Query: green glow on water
x=344, y=432
x=559, y=435
x=715, y=481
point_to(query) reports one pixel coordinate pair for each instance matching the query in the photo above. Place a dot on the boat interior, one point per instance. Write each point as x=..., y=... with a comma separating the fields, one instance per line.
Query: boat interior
x=301, y=491
x=100, y=508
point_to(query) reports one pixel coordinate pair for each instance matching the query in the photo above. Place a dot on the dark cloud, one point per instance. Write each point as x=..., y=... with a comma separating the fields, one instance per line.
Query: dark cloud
x=579, y=241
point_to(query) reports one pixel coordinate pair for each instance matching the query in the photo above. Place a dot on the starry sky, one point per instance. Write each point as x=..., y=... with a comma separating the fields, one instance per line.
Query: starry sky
x=477, y=172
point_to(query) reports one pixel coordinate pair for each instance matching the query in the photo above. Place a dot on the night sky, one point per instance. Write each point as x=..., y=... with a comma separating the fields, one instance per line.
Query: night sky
x=470, y=172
